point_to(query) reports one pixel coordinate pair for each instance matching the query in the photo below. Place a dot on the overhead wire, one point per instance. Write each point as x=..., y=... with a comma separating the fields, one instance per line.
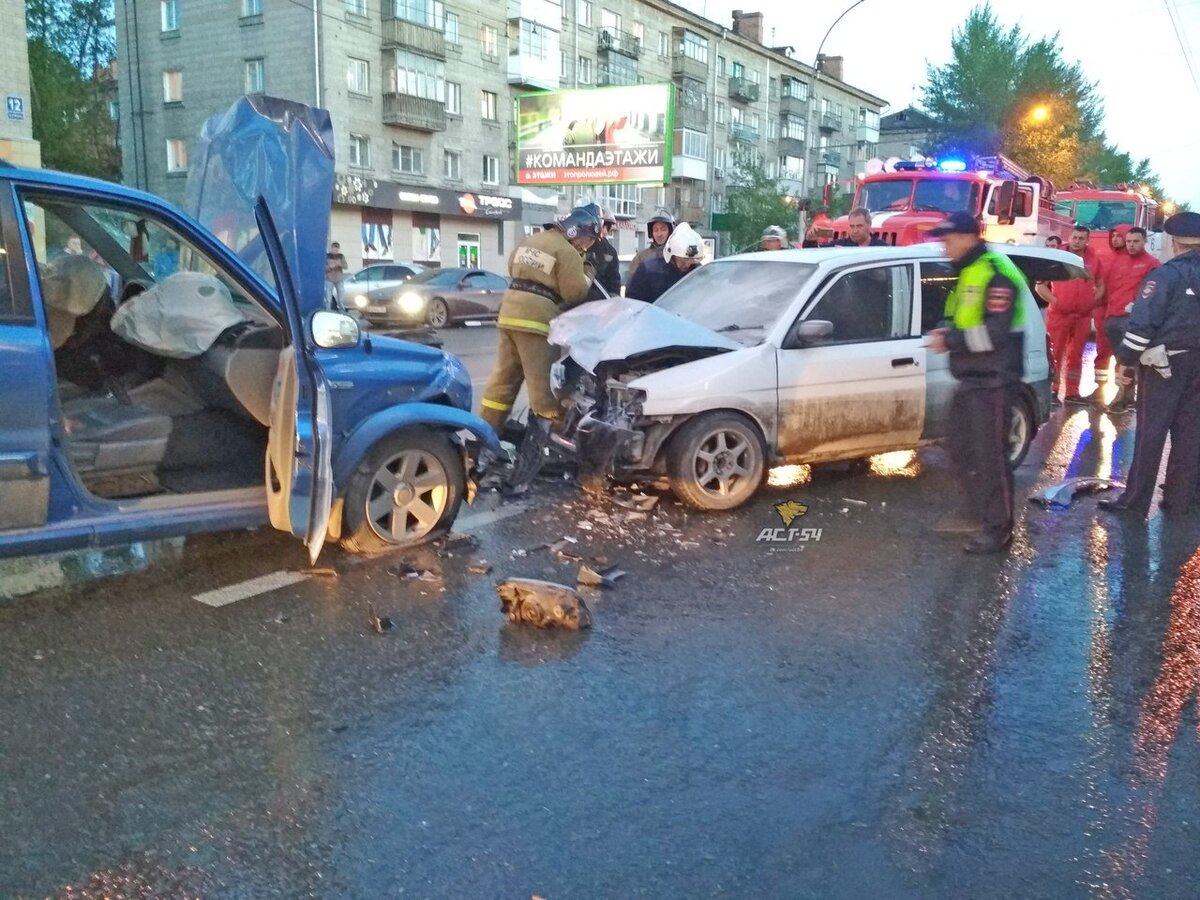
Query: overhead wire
x=1183, y=48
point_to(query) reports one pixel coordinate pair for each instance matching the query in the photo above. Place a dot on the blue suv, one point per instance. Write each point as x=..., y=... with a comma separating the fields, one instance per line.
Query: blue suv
x=167, y=373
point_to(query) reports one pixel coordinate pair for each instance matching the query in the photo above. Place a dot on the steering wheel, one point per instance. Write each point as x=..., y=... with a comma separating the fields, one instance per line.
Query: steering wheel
x=132, y=288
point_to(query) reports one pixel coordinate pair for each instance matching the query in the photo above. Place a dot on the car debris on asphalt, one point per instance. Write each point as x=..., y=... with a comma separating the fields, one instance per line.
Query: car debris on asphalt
x=480, y=567
x=1064, y=492
x=380, y=625
x=543, y=604
x=608, y=577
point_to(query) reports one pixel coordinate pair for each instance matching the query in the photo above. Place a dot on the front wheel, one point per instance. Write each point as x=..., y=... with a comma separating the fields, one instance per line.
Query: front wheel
x=439, y=313
x=1019, y=436
x=716, y=461
x=407, y=490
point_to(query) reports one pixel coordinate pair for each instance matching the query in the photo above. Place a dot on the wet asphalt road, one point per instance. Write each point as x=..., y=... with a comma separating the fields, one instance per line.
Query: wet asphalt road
x=871, y=714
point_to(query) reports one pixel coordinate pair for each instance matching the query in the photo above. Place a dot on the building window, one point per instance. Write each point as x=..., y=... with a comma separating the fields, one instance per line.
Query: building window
x=609, y=21
x=773, y=130
x=621, y=199
x=794, y=128
x=772, y=88
x=360, y=151
x=452, y=35
x=585, y=70
x=491, y=170
x=795, y=89
x=488, y=106
x=251, y=8
x=177, y=155
x=170, y=15
x=468, y=251
x=407, y=160
x=868, y=117
x=173, y=86
x=452, y=165
x=720, y=113
x=430, y=13
x=694, y=144
x=583, y=13
x=356, y=7
x=721, y=66
x=693, y=46
x=639, y=32
x=419, y=76
x=528, y=38
x=453, y=98
x=739, y=71
x=664, y=44
x=358, y=76
x=720, y=159
x=791, y=168
x=565, y=75
x=255, y=79
x=489, y=39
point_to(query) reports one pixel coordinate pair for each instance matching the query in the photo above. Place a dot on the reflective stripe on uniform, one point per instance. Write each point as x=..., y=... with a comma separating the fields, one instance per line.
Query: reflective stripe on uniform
x=525, y=324
x=978, y=339
x=1136, y=342
x=492, y=404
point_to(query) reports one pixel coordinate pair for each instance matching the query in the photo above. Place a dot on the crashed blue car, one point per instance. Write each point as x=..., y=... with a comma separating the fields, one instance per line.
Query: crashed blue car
x=168, y=373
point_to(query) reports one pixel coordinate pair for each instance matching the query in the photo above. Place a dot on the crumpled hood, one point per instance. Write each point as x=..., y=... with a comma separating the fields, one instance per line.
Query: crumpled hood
x=620, y=328
x=279, y=150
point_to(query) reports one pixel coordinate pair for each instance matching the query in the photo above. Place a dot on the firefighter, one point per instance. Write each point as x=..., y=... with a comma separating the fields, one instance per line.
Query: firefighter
x=683, y=252
x=658, y=228
x=547, y=276
x=774, y=238
x=1164, y=335
x=1104, y=349
x=602, y=258
x=1123, y=276
x=984, y=335
x=1069, y=320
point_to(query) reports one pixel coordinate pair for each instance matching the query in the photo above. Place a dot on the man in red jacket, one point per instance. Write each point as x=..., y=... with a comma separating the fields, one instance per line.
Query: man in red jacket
x=1124, y=275
x=1104, y=350
x=1069, y=321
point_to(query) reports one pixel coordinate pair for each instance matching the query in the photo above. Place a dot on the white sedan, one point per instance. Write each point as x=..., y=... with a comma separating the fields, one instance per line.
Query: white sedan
x=791, y=357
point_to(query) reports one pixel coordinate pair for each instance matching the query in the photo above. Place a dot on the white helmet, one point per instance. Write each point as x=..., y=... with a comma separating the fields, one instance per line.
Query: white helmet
x=774, y=232
x=684, y=242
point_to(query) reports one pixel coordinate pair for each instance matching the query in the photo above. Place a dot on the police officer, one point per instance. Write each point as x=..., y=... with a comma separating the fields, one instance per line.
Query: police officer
x=602, y=258
x=774, y=238
x=547, y=276
x=682, y=253
x=659, y=228
x=984, y=334
x=1164, y=335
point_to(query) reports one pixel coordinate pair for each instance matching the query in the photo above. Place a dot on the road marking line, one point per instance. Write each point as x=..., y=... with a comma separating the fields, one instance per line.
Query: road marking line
x=252, y=588
x=491, y=516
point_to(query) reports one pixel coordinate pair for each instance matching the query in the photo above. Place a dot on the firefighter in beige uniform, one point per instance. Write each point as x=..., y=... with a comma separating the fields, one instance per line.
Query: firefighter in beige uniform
x=547, y=276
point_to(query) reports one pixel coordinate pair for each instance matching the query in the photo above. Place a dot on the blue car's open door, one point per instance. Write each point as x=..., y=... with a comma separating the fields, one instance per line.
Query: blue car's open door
x=299, y=470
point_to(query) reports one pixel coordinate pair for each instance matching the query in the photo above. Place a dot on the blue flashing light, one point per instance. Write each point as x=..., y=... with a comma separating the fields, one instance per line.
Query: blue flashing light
x=952, y=165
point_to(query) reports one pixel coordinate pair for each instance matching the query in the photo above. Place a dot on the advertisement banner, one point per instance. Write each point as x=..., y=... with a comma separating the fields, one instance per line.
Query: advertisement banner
x=616, y=135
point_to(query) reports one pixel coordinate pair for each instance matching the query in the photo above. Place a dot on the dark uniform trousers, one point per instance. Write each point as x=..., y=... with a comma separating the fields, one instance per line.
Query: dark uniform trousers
x=978, y=443
x=1166, y=406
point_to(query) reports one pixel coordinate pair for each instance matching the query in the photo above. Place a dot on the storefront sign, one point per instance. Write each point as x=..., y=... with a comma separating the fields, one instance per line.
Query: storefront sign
x=354, y=190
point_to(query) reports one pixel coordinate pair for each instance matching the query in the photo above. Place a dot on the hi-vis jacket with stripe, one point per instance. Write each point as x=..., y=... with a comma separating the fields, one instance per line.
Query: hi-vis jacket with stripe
x=551, y=271
x=986, y=315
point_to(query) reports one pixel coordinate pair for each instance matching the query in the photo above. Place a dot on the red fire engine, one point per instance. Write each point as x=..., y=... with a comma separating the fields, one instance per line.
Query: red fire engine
x=908, y=198
x=1102, y=209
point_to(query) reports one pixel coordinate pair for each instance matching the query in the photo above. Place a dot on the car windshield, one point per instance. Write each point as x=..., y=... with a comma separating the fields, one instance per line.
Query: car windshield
x=940, y=195
x=438, y=277
x=1105, y=214
x=878, y=196
x=745, y=295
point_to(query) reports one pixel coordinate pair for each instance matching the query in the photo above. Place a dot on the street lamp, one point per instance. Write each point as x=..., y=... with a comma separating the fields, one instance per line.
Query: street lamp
x=1040, y=113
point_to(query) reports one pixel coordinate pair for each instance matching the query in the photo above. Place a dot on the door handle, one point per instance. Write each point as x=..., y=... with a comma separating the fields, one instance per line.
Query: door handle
x=903, y=361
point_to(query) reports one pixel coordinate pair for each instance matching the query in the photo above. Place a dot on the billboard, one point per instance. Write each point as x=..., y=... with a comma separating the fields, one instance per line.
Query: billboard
x=616, y=135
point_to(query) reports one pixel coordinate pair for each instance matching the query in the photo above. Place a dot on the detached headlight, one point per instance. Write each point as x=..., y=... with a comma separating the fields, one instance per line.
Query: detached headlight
x=410, y=303
x=360, y=301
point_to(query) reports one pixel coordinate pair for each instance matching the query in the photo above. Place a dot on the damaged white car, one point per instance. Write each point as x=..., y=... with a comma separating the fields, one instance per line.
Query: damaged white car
x=764, y=359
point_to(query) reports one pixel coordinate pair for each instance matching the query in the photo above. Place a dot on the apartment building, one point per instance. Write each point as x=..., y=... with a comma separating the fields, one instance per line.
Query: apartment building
x=421, y=95
x=17, y=145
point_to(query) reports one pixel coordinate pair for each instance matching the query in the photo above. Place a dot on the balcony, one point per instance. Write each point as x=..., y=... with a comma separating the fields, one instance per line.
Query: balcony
x=526, y=70
x=621, y=42
x=744, y=134
x=793, y=106
x=743, y=91
x=830, y=122
x=689, y=168
x=400, y=34
x=683, y=66
x=791, y=147
x=412, y=112
x=615, y=76
x=697, y=216
x=867, y=134
x=831, y=158
x=691, y=117
x=544, y=12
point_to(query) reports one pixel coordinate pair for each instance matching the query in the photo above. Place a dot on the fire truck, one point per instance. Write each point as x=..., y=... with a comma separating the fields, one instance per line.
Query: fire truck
x=909, y=197
x=1103, y=208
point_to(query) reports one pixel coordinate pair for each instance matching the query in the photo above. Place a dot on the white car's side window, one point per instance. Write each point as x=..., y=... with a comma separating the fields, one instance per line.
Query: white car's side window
x=872, y=304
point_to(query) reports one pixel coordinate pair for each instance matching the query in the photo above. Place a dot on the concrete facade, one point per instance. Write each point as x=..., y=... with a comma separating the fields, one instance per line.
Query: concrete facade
x=17, y=145
x=427, y=68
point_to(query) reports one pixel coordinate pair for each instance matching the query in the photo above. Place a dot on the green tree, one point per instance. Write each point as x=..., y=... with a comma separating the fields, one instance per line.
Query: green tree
x=71, y=42
x=756, y=202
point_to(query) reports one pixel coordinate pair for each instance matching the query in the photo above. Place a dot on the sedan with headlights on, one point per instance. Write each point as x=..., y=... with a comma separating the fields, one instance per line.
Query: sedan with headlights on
x=439, y=297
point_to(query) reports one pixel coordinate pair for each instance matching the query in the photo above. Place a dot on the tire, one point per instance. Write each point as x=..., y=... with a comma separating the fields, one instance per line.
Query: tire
x=439, y=313
x=733, y=444
x=1020, y=432
x=373, y=520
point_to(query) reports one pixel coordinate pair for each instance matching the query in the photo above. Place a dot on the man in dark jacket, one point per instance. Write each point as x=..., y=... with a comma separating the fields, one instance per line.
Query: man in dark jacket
x=602, y=260
x=658, y=274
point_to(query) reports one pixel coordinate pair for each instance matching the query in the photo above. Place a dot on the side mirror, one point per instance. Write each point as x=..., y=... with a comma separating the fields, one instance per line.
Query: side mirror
x=811, y=331
x=1006, y=203
x=334, y=330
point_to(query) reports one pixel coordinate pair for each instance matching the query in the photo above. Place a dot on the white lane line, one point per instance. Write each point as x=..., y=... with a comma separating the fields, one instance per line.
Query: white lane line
x=245, y=589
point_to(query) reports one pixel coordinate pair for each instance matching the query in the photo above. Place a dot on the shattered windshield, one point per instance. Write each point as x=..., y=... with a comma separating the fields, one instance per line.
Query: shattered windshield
x=736, y=297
